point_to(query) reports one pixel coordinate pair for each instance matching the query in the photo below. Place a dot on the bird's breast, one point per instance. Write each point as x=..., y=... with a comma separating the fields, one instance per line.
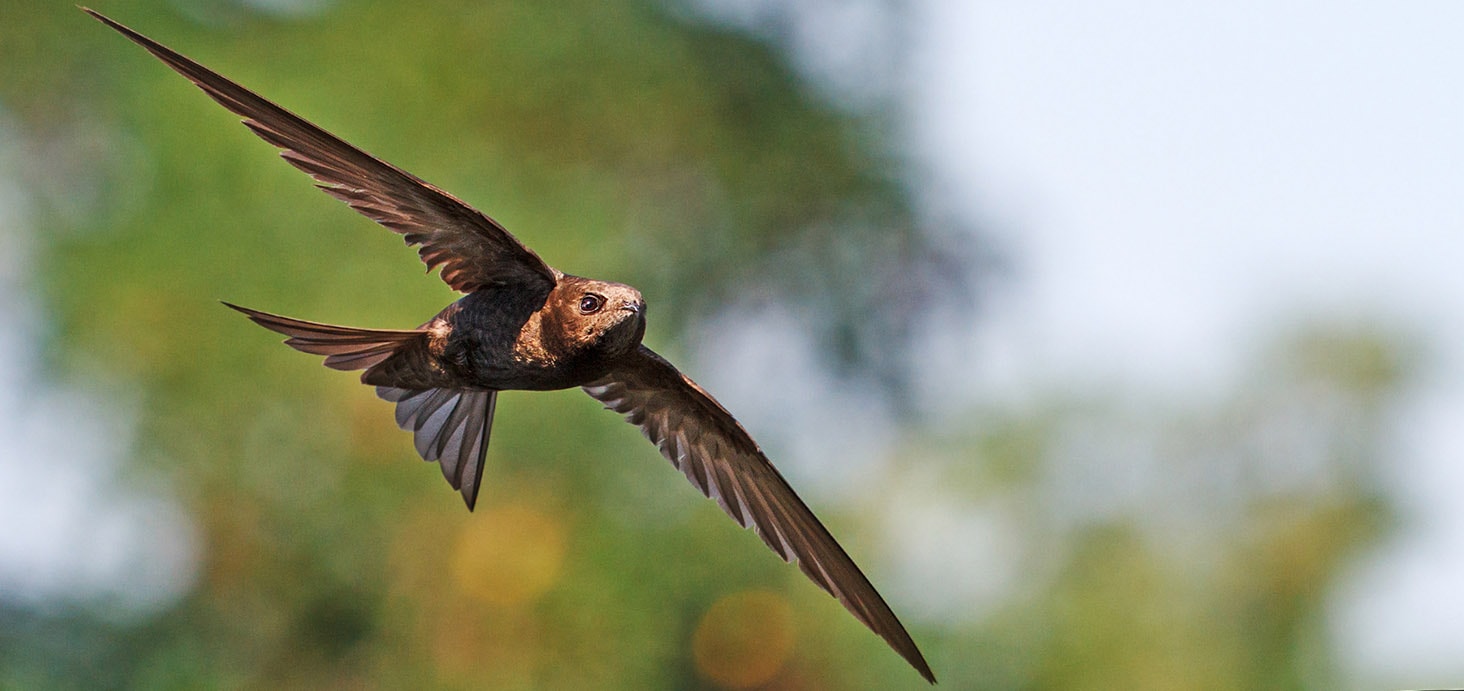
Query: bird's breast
x=504, y=360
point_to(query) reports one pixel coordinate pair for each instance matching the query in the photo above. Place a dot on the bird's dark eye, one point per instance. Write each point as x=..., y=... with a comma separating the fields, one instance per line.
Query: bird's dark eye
x=591, y=303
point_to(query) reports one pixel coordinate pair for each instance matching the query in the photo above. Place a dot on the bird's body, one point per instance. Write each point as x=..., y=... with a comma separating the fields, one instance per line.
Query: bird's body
x=523, y=325
x=498, y=338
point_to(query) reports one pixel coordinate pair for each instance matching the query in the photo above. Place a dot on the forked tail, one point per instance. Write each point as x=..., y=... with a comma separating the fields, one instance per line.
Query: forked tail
x=449, y=425
x=344, y=347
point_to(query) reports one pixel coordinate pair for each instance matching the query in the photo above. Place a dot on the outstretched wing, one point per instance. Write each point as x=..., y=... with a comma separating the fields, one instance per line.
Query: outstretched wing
x=473, y=249
x=712, y=449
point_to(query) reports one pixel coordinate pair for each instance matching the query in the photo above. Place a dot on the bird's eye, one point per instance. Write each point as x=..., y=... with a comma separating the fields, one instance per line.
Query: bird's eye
x=591, y=303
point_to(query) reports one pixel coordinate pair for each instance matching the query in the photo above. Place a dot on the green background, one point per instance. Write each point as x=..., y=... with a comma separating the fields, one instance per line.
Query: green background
x=629, y=141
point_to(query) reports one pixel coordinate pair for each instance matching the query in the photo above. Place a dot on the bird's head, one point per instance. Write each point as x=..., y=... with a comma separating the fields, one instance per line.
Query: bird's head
x=599, y=315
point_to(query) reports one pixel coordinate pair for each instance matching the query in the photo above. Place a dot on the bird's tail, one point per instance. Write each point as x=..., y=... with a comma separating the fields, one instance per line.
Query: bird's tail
x=449, y=425
x=344, y=347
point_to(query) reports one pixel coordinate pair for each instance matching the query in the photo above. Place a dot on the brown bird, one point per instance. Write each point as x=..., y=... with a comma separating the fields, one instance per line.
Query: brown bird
x=525, y=325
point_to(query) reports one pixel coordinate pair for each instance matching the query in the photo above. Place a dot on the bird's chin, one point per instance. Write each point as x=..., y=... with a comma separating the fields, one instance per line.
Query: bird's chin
x=624, y=336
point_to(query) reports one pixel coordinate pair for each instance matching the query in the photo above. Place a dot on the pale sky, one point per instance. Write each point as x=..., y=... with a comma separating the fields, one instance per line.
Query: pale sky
x=1175, y=180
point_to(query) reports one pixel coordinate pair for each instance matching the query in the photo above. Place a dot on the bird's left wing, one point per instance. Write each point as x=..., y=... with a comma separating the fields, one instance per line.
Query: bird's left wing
x=473, y=249
x=712, y=449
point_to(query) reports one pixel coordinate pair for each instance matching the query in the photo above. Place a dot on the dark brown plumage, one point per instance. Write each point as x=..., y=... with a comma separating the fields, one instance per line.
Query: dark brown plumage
x=525, y=325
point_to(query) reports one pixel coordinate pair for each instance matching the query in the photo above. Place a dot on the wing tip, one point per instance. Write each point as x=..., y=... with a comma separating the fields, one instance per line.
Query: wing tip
x=917, y=661
x=96, y=15
x=119, y=27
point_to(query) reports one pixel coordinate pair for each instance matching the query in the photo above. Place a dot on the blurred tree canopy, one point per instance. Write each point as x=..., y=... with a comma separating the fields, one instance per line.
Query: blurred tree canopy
x=627, y=141
x=616, y=138
x=1185, y=546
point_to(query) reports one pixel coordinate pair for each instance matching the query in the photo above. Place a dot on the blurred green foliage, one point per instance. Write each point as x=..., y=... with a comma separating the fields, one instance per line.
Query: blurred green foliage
x=629, y=143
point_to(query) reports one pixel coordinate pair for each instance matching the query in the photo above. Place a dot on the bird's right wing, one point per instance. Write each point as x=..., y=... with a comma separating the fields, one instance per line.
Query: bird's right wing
x=473, y=249
x=712, y=449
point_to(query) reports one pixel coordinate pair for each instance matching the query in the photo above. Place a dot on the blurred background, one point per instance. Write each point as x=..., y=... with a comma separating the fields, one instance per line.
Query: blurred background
x=1120, y=347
